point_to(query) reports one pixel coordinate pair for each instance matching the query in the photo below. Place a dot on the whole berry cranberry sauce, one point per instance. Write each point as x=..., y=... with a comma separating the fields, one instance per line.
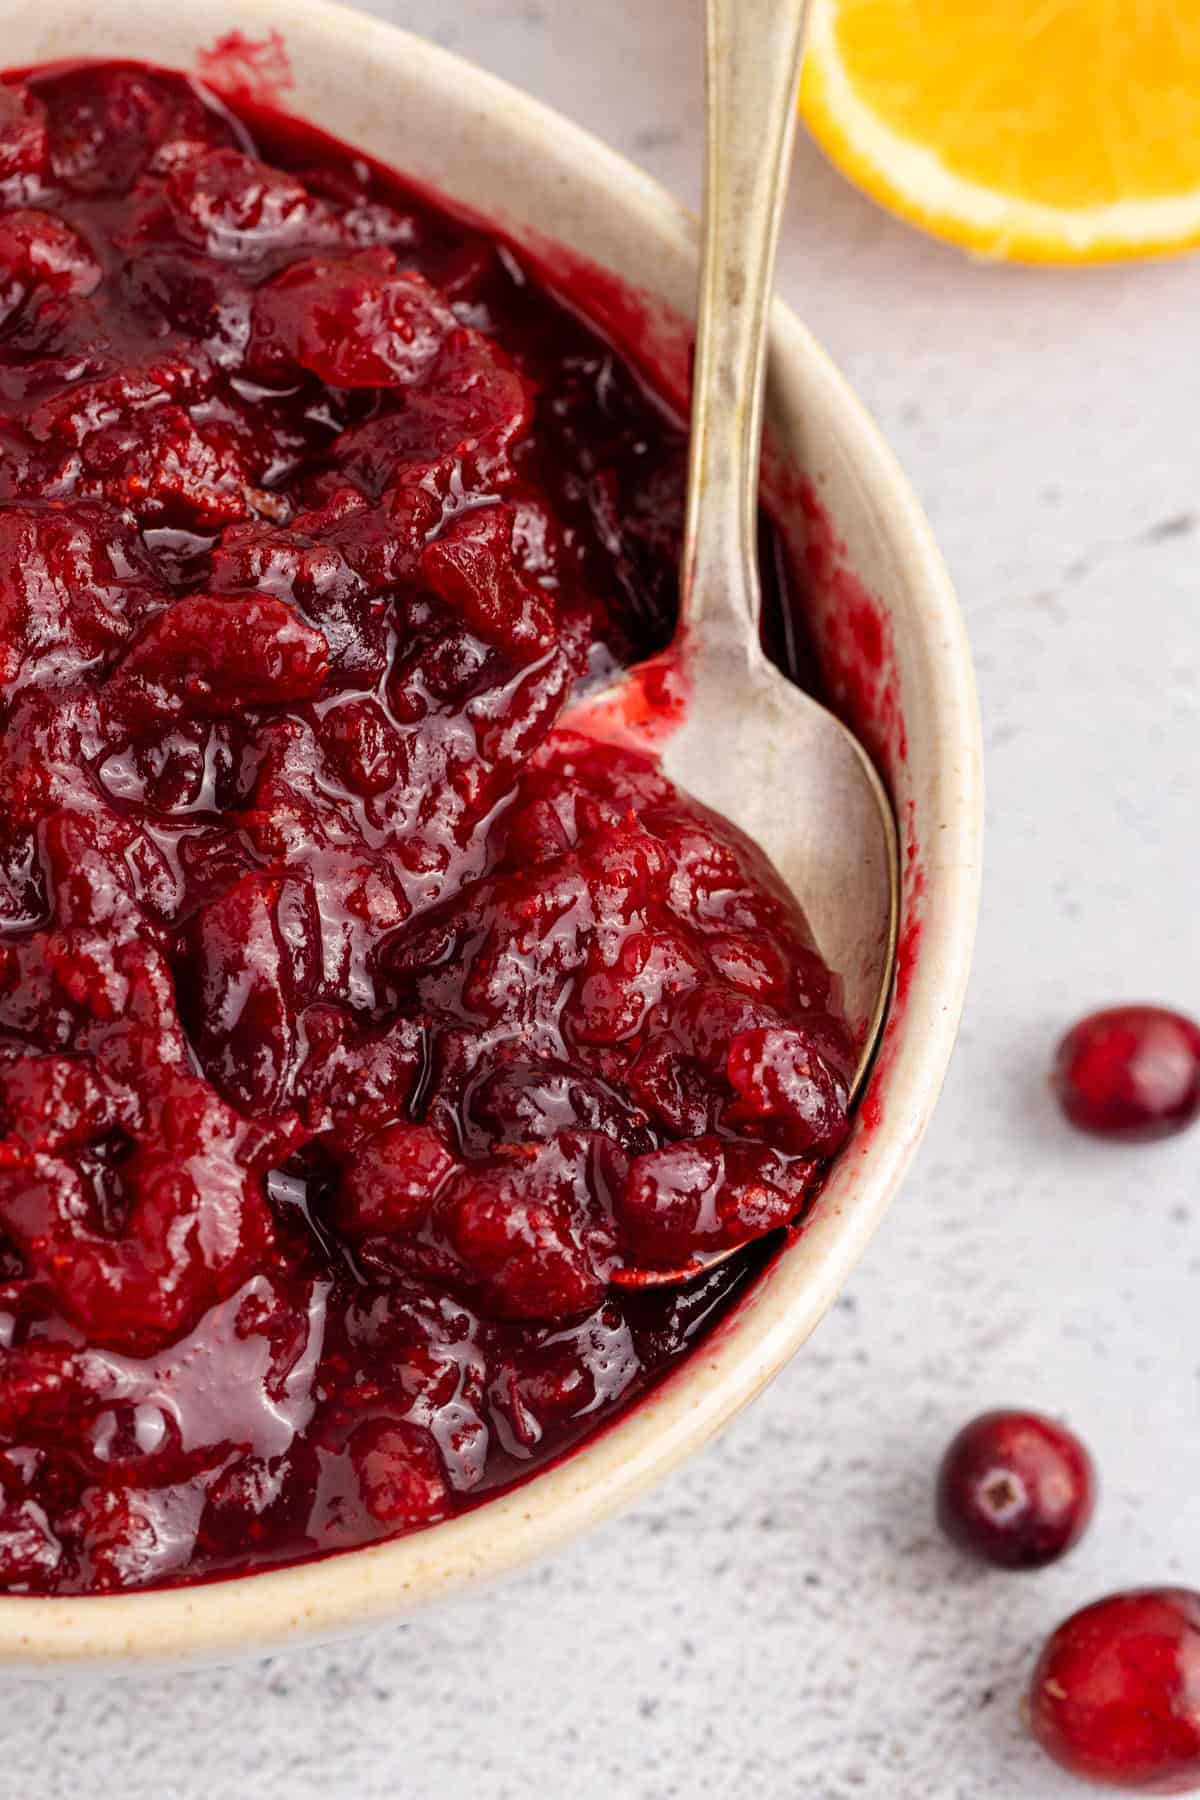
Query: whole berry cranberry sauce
x=356, y=1026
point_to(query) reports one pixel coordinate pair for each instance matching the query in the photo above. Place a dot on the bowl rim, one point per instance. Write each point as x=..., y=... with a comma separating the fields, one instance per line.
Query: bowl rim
x=349, y=1590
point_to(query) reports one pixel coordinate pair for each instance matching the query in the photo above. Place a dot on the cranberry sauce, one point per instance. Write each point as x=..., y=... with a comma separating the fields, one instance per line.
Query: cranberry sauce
x=357, y=1025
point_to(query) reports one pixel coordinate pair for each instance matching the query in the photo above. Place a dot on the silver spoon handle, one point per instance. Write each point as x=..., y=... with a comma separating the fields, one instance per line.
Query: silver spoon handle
x=752, y=65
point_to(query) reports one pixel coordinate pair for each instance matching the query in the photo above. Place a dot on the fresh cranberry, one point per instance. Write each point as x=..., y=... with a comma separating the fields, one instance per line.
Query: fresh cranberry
x=1130, y=1072
x=1015, y=1489
x=1115, y=1696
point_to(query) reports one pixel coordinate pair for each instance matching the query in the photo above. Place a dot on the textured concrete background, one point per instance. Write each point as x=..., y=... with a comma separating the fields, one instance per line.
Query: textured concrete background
x=779, y=1619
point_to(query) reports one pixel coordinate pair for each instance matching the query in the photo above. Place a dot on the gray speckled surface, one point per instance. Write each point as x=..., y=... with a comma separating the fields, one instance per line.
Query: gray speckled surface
x=779, y=1618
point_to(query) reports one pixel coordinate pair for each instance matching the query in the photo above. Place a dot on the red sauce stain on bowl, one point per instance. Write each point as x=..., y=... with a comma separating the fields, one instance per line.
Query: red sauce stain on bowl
x=854, y=639
x=852, y=646
x=913, y=885
x=247, y=71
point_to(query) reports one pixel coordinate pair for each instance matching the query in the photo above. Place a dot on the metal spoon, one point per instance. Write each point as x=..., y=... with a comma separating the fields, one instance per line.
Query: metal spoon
x=751, y=745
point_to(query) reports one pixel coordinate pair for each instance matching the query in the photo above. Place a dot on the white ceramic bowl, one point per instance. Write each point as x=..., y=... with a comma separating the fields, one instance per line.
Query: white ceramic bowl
x=895, y=657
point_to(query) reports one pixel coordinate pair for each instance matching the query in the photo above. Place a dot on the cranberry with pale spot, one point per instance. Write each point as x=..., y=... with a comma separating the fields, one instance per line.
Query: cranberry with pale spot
x=1015, y=1489
x=1115, y=1695
x=1130, y=1072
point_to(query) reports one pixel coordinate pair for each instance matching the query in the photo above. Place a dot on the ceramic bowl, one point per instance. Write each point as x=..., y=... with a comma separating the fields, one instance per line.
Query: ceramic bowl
x=896, y=663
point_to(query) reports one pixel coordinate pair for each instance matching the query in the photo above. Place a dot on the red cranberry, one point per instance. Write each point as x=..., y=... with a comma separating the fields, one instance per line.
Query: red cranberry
x=399, y=1471
x=391, y=1184
x=1115, y=1696
x=1130, y=1072
x=22, y=132
x=1015, y=1489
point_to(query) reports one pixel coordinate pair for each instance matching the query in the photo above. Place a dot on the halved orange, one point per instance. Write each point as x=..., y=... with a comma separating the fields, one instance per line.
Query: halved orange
x=1042, y=130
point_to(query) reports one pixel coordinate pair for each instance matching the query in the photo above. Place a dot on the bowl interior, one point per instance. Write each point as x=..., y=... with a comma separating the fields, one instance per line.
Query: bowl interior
x=896, y=664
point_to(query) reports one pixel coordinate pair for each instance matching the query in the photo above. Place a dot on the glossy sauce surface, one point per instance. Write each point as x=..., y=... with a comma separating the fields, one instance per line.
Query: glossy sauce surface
x=358, y=1027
